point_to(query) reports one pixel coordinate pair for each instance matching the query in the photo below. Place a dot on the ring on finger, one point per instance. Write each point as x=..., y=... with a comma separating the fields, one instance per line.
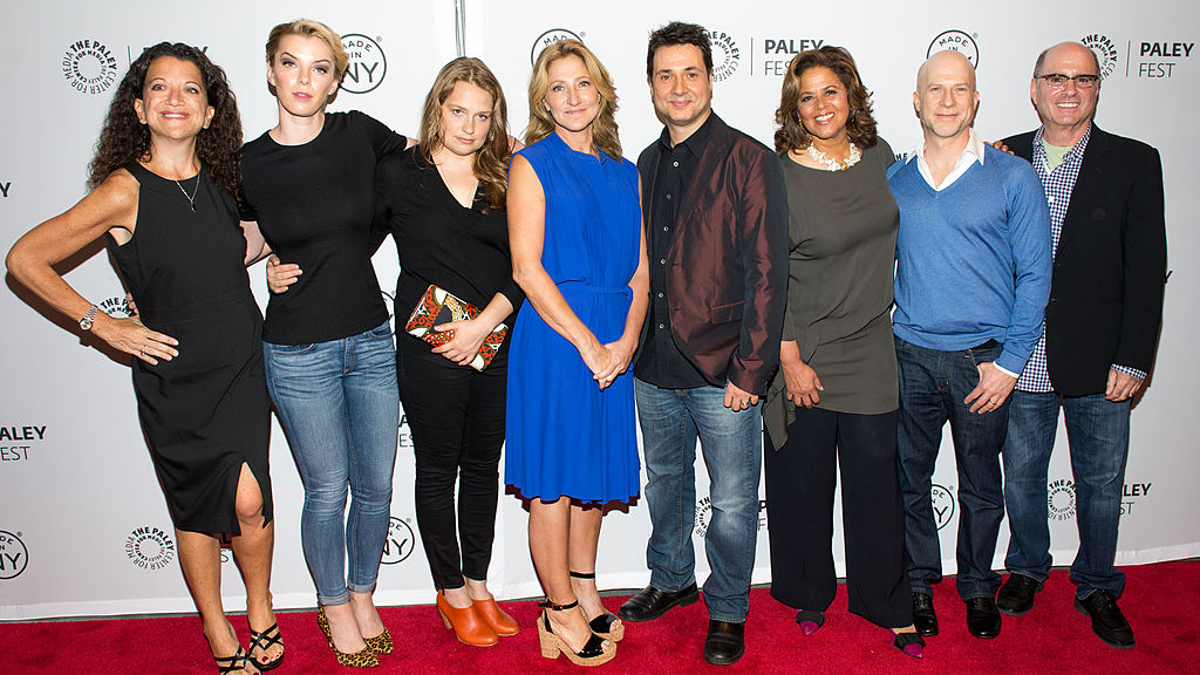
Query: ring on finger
x=143, y=350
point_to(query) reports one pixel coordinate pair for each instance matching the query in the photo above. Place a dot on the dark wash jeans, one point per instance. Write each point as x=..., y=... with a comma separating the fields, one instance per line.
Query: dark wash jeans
x=1098, y=432
x=933, y=386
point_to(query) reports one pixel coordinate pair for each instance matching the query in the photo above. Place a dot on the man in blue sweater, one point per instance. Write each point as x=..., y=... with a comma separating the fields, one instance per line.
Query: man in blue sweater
x=972, y=281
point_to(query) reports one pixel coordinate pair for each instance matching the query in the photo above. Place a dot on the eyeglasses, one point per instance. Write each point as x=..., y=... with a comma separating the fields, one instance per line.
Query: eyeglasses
x=1058, y=80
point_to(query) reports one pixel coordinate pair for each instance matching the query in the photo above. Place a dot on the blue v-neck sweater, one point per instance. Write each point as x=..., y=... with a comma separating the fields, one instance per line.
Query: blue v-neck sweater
x=973, y=260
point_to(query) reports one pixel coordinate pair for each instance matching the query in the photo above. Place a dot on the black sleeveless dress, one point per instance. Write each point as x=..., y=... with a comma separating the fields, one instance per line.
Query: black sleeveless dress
x=206, y=412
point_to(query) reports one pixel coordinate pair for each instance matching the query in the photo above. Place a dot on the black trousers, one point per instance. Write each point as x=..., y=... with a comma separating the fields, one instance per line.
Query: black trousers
x=456, y=415
x=801, y=478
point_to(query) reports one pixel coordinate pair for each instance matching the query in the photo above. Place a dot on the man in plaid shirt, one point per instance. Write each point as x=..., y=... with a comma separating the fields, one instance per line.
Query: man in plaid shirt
x=1105, y=195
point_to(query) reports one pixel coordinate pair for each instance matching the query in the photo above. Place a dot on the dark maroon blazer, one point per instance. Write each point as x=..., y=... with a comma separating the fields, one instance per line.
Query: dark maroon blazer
x=1106, y=293
x=727, y=267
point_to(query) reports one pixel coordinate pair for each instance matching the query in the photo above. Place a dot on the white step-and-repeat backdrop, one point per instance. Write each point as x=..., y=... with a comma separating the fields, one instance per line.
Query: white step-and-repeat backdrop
x=83, y=526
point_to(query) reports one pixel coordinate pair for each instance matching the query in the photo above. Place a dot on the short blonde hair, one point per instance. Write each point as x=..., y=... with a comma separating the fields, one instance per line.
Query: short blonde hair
x=541, y=123
x=310, y=28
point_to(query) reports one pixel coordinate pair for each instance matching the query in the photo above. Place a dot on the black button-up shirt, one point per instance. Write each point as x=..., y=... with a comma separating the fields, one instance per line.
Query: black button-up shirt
x=661, y=363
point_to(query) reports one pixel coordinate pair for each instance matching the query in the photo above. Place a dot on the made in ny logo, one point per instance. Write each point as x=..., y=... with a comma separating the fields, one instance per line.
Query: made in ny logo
x=150, y=548
x=956, y=40
x=944, y=505
x=89, y=66
x=367, y=66
x=400, y=542
x=14, y=557
x=550, y=37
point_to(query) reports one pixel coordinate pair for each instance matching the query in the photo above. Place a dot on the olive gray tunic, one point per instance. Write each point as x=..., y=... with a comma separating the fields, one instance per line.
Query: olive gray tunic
x=842, y=241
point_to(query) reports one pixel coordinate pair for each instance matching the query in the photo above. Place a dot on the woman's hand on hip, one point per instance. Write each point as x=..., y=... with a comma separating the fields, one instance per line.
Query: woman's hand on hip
x=132, y=337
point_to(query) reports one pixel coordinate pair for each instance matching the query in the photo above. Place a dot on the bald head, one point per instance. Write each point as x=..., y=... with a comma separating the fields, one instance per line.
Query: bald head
x=1065, y=106
x=1066, y=50
x=946, y=100
x=946, y=64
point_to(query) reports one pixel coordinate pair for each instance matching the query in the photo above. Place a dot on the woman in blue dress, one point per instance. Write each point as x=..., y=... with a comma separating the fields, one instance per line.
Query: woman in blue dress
x=579, y=254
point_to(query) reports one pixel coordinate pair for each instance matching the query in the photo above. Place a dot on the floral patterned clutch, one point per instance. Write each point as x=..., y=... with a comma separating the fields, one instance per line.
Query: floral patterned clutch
x=438, y=306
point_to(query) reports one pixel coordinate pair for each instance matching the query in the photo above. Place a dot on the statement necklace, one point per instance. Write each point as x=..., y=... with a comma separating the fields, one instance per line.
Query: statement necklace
x=192, y=197
x=832, y=164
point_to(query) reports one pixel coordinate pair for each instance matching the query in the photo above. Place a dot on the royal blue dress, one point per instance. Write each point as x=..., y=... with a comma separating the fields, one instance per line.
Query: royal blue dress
x=564, y=435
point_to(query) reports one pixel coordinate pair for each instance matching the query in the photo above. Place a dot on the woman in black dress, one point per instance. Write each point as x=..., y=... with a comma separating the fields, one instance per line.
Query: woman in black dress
x=162, y=178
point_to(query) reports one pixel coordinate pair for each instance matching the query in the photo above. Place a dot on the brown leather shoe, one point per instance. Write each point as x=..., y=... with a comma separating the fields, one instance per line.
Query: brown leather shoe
x=501, y=623
x=466, y=623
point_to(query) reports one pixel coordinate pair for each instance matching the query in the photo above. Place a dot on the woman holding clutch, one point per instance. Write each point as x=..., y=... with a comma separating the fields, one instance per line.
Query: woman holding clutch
x=444, y=202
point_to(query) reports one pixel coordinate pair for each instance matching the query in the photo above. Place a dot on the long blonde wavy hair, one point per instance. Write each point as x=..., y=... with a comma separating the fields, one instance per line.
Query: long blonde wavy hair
x=541, y=123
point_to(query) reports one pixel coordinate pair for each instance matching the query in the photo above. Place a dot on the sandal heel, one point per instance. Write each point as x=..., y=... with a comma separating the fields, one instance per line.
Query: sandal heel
x=549, y=643
x=595, y=652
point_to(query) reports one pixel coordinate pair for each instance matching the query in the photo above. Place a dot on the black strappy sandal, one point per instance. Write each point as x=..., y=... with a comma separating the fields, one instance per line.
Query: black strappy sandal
x=264, y=641
x=593, y=652
x=230, y=664
x=607, y=625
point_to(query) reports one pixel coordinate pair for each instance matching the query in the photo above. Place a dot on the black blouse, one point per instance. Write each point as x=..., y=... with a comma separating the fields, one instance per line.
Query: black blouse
x=315, y=203
x=439, y=241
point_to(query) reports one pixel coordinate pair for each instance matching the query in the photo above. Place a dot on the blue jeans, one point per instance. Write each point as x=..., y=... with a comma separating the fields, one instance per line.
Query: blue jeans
x=340, y=406
x=1098, y=434
x=933, y=385
x=732, y=446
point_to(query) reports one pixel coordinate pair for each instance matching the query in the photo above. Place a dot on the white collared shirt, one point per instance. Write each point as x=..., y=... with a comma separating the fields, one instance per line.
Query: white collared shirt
x=971, y=154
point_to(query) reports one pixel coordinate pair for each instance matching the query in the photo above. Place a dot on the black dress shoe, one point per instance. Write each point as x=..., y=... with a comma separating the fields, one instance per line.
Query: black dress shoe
x=1108, y=623
x=652, y=603
x=924, y=618
x=726, y=642
x=1016, y=595
x=983, y=619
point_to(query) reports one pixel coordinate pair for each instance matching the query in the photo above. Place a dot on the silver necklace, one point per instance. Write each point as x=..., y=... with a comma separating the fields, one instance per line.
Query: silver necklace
x=192, y=197
x=832, y=164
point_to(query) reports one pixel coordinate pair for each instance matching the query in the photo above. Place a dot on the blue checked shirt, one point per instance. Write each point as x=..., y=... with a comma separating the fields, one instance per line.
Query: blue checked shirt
x=1059, y=183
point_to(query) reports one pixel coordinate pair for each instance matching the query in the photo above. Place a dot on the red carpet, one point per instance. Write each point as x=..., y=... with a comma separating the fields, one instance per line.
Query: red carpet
x=1162, y=602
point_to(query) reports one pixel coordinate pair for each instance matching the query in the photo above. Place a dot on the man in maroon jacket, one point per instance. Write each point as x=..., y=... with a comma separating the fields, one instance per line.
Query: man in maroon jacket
x=714, y=204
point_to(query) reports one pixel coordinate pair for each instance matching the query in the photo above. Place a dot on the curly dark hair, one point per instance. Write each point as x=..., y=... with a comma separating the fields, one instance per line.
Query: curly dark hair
x=124, y=139
x=860, y=127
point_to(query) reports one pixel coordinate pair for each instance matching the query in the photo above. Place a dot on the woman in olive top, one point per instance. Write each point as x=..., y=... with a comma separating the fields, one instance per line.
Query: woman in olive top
x=835, y=398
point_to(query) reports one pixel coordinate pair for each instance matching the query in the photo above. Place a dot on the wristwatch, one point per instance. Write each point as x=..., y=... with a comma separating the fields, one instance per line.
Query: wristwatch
x=86, y=322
